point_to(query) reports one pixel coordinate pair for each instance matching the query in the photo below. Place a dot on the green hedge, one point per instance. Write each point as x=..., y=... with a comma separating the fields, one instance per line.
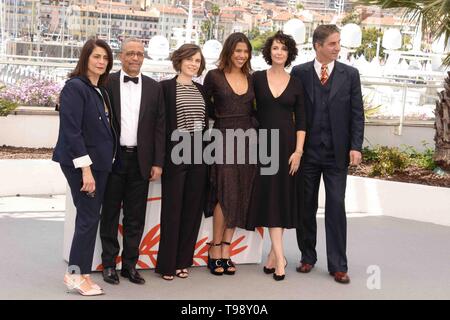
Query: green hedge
x=6, y=107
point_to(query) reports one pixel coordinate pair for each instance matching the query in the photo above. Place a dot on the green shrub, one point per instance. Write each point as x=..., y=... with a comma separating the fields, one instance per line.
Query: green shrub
x=421, y=159
x=6, y=107
x=389, y=161
x=369, y=155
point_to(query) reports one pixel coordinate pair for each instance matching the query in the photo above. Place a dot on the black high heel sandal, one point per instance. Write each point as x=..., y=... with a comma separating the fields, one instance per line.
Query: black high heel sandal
x=280, y=277
x=214, y=264
x=228, y=263
x=272, y=270
x=268, y=270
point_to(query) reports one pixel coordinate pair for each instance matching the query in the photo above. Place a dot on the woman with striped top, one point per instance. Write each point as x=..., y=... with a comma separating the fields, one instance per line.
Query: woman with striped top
x=184, y=184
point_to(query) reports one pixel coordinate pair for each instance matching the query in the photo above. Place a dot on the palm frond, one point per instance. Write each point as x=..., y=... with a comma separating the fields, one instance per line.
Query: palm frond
x=446, y=61
x=390, y=4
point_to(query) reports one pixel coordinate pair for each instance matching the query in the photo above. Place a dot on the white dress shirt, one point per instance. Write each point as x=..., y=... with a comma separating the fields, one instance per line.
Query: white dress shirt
x=318, y=67
x=130, y=103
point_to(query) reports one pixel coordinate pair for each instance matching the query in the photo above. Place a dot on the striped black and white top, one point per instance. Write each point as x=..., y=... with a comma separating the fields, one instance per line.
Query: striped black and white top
x=190, y=108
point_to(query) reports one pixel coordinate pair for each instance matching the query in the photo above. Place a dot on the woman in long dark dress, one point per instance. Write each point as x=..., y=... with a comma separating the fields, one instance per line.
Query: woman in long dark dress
x=279, y=104
x=230, y=87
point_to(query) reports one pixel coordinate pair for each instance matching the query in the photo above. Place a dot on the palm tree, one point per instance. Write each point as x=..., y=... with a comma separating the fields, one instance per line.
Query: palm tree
x=215, y=10
x=442, y=125
x=435, y=16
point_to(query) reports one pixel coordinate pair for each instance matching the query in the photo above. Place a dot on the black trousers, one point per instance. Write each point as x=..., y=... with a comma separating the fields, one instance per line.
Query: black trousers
x=319, y=163
x=87, y=218
x=126, y=187
x=183, y=196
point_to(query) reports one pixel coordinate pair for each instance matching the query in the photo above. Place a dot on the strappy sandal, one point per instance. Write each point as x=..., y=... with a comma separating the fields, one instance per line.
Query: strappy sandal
x=215, y=264
x=272, y=270
x=183, y=274
x=228, y=263
x=167, y=278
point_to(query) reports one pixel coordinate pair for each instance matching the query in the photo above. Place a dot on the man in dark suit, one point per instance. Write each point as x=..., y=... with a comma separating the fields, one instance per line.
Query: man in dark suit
x=138, y=104
x=335, y=126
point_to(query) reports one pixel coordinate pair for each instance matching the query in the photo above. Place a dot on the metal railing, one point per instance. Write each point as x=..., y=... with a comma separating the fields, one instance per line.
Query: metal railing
x=393, y=100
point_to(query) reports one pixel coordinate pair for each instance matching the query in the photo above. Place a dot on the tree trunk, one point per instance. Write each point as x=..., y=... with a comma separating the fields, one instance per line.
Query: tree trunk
x=442, y=126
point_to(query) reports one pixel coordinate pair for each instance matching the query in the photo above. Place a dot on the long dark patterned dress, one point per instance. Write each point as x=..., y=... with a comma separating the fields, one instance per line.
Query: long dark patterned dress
x=231, y=184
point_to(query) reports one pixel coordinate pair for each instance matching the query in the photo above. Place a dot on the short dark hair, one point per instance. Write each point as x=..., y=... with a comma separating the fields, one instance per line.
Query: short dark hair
x=285, y=39
x=187, y=50
x=322, y=32
x=82, y=66
x=128, y=40
x=228, y=49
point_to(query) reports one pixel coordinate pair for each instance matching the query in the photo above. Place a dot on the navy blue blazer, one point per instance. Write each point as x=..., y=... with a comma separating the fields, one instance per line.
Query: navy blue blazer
x=346, y=107
x=84, y=128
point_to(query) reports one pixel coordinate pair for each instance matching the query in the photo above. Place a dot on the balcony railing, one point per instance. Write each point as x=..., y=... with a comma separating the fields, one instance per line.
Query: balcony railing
x=394, y=100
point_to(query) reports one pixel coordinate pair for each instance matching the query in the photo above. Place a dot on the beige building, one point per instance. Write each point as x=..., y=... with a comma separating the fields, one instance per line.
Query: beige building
x=117, y=22
x=234, y=19
x=21, y=17
x=170, y=18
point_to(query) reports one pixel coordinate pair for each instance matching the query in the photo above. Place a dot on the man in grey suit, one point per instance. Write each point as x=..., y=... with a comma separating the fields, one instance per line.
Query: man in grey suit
x=335, y=126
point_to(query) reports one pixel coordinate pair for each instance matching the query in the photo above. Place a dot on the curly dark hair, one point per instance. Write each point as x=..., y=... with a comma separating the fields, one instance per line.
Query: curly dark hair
x=285, y=39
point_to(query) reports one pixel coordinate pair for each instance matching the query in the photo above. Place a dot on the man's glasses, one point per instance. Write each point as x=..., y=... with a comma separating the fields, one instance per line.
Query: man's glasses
x=131, y=54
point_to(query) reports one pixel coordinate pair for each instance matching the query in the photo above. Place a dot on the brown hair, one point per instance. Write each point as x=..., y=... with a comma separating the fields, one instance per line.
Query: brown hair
x=228, y=49
x=82, y=66
x=322, y=32
x=187, y=50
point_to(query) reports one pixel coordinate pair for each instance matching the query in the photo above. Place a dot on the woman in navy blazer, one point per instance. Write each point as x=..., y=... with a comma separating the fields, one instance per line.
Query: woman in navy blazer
x=85, y=151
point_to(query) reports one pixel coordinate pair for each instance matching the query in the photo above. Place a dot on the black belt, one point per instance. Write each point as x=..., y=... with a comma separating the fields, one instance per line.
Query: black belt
x=128, y=149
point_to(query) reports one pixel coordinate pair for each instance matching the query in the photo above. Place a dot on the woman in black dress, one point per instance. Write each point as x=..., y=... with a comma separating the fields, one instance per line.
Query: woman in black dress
x=231, y=90
x=279, y=104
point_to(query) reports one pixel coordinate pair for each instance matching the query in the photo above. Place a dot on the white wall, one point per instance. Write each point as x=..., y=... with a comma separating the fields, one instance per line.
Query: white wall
x=386, y=136
x=364, y=195
x=398, y=199
x=25, y=130
x=36, y=131
x=31, y=177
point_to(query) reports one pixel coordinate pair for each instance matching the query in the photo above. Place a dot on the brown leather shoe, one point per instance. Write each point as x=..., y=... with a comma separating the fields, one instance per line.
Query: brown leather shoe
x=341, y=277
x=304, y=267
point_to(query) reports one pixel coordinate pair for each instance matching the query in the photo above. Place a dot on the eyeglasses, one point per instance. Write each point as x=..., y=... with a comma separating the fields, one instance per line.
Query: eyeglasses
x=131, y=54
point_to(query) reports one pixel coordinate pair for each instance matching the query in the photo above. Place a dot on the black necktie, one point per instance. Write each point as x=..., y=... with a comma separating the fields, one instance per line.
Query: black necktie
x=127, y=78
